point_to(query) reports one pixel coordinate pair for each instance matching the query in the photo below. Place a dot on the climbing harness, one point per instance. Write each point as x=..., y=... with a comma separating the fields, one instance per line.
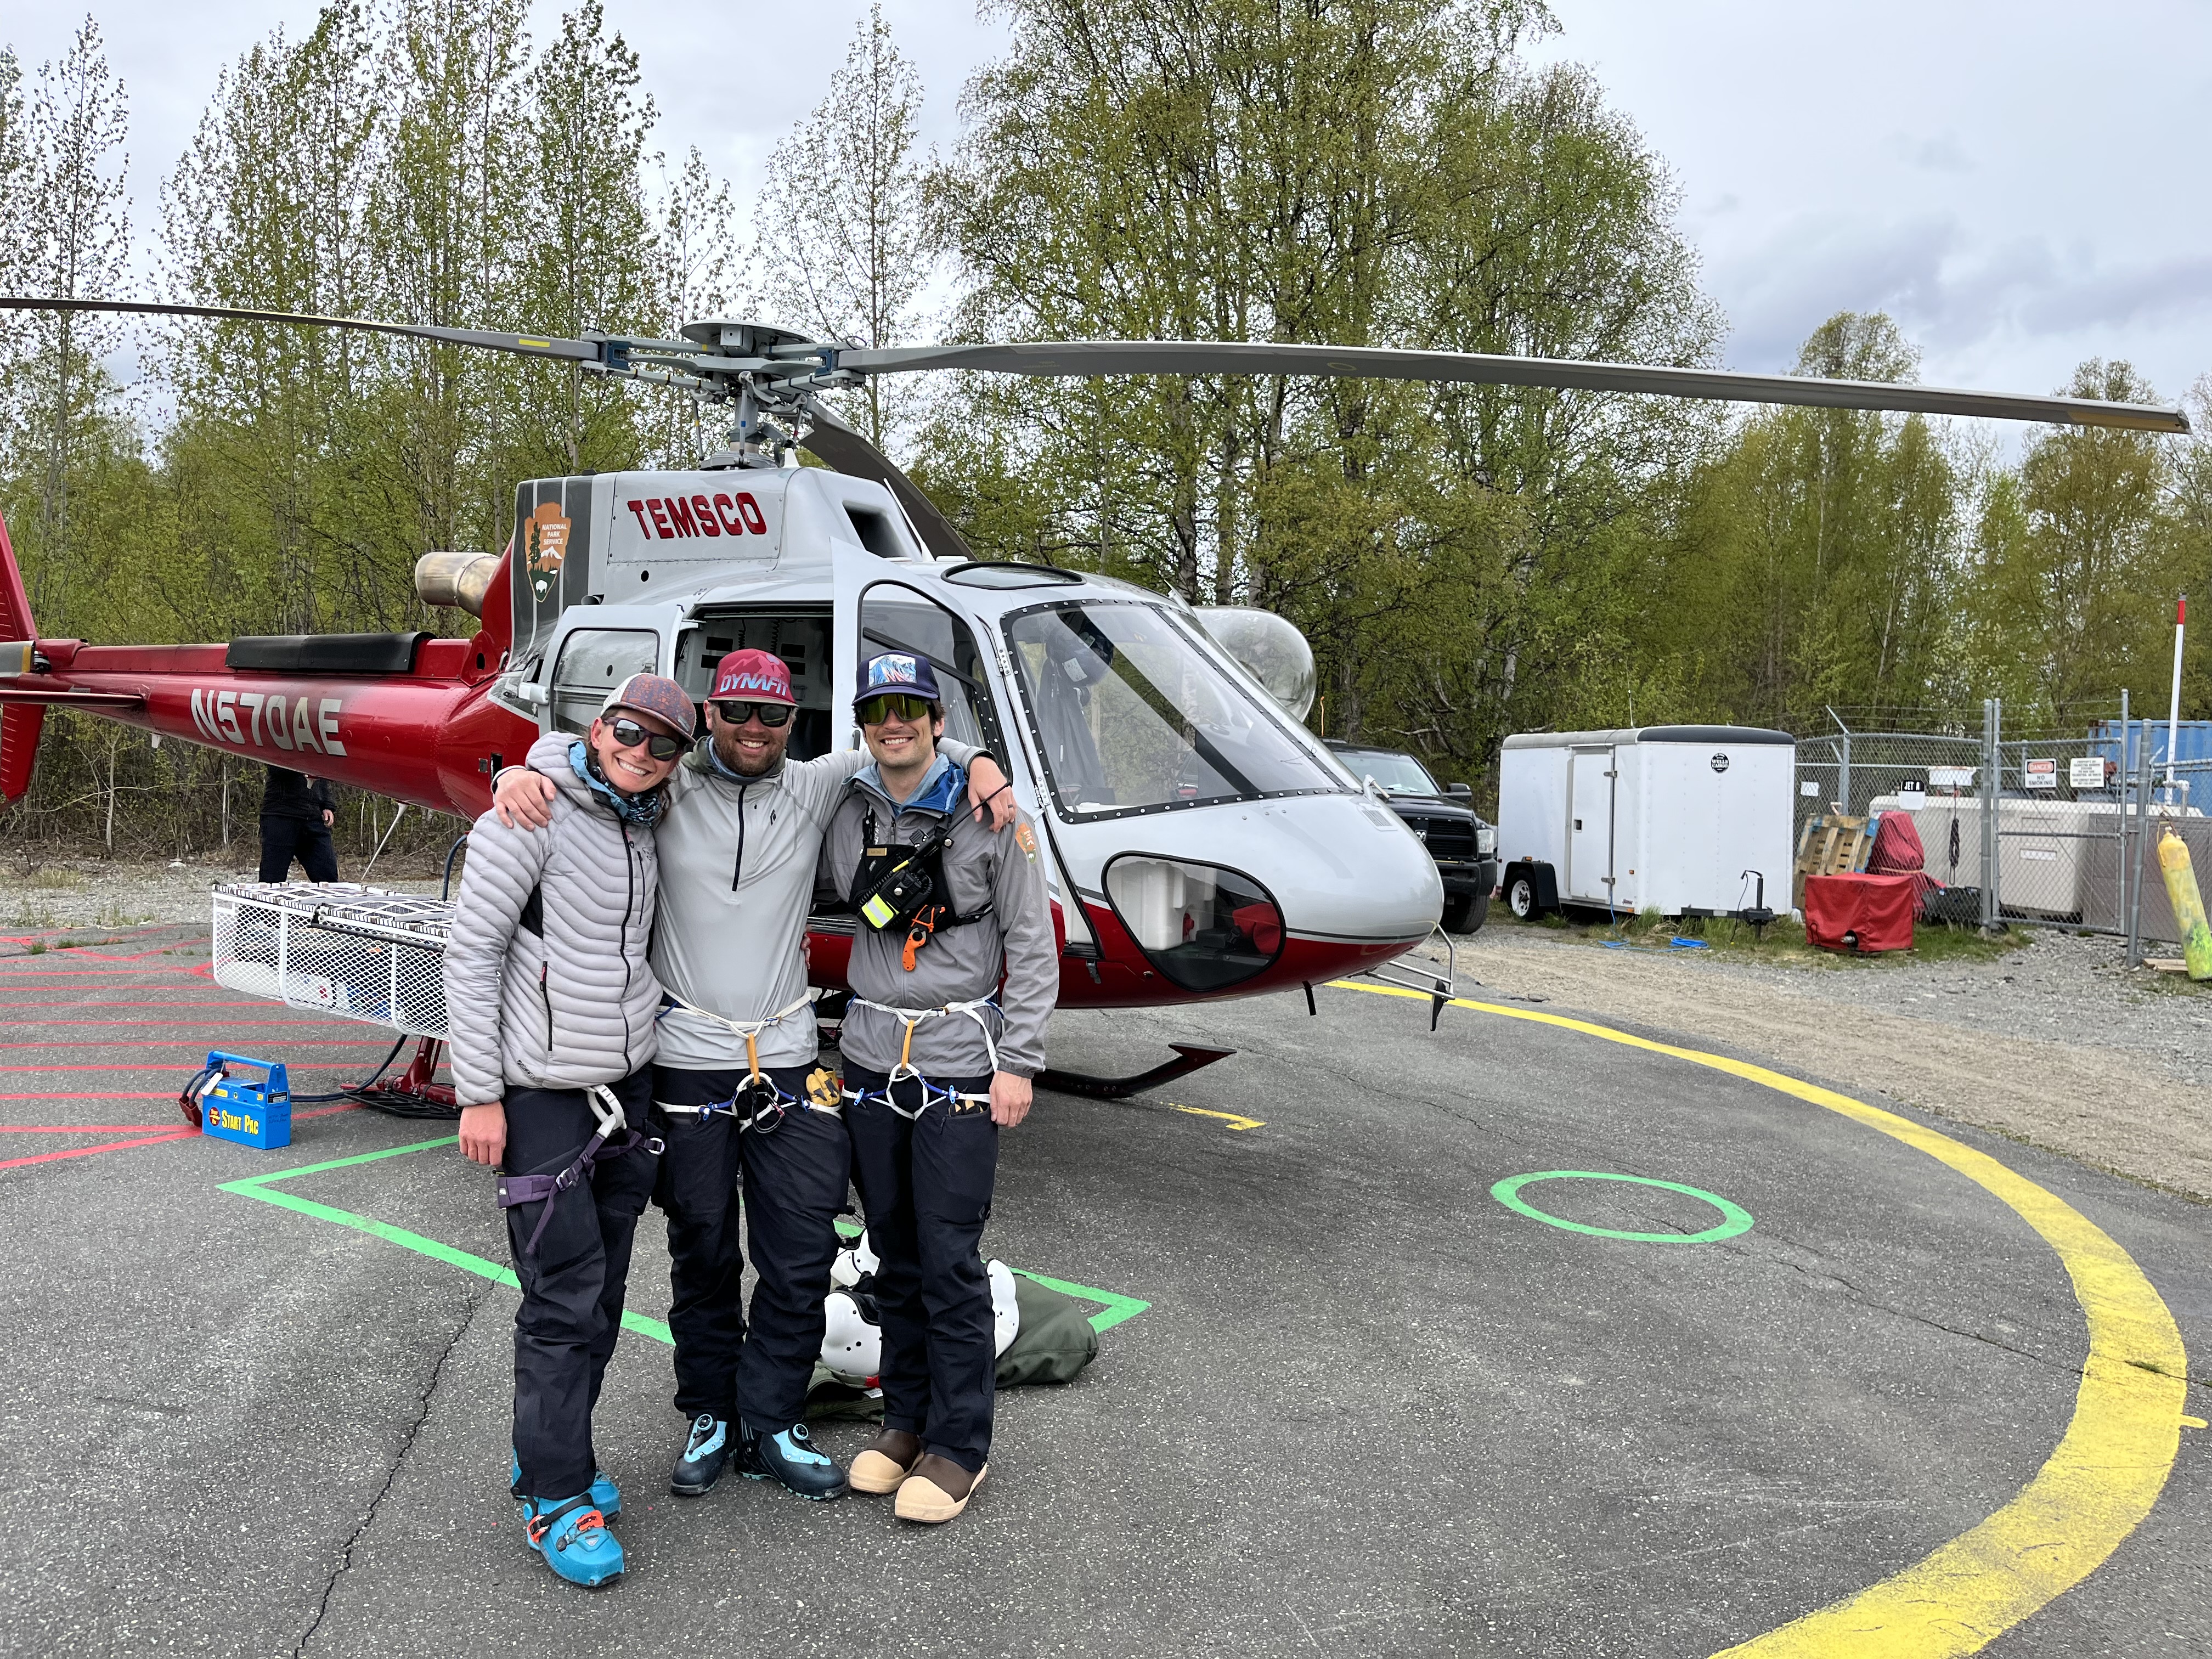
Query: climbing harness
x=906, y=1070
x=615, y=1137
x=757, y=1105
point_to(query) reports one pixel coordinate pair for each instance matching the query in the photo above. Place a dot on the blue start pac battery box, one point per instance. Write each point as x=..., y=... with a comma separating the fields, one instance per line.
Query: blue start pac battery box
x=252, y=1111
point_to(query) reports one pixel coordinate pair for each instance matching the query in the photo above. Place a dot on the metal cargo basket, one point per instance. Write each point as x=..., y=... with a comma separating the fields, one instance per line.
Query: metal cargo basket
x=337, y=948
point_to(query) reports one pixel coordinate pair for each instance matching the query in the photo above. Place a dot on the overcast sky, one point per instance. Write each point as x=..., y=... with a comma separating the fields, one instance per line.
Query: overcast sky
x=2022, y=185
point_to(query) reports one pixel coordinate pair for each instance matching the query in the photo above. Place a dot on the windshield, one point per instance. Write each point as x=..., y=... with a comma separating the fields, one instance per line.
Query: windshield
x=1401, y=774
x=1134, y=714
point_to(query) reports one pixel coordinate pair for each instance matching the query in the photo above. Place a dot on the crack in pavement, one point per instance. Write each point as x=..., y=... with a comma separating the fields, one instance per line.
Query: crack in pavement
x=398, y=1462
x=1864, y=1300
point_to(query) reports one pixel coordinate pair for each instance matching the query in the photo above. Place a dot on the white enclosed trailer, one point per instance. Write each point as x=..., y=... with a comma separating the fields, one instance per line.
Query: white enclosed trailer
x=1681, y=819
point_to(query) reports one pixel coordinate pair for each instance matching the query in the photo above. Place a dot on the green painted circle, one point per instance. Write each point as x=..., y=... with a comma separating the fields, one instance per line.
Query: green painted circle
x=1734, y=1218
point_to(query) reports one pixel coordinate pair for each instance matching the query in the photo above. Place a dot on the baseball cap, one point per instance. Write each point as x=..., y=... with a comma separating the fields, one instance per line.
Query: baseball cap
x=897, y=671
x=657, y=695
x=758, y=675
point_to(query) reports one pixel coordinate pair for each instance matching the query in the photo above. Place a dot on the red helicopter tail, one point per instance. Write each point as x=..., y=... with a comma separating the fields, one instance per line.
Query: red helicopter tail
x=19, y=722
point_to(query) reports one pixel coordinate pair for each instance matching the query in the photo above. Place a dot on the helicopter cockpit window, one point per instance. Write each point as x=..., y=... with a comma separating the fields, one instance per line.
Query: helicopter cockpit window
x=896, y=618
x=594, y=661
x=1134, y=714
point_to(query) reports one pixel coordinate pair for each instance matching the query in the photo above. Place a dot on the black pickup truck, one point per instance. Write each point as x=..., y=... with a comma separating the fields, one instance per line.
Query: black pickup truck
x=1463, y=846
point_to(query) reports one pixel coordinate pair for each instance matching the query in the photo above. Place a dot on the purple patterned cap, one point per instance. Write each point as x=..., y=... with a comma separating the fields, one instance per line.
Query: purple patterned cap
x=657, y=695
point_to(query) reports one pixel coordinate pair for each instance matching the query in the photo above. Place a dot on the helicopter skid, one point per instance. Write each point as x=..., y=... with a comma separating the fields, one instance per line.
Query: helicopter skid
x=1190, y=1057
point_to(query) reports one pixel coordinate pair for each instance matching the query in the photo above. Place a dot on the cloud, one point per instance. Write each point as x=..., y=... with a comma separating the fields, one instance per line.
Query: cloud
x=1939, y=154
x=1949, y=291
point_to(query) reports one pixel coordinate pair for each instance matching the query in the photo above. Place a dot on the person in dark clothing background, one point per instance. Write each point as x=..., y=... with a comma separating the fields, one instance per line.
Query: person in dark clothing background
x=296, y=814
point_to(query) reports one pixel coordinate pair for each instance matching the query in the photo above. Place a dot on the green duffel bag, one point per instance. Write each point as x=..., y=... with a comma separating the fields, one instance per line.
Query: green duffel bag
x=1053, y=1342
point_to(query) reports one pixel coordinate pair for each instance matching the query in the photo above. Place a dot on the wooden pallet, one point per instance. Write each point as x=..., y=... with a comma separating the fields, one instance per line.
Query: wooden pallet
x=1832, y=844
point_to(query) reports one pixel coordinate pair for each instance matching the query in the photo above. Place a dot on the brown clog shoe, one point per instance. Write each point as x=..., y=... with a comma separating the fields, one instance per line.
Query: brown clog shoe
x=937, y=1491
x=885, y=1464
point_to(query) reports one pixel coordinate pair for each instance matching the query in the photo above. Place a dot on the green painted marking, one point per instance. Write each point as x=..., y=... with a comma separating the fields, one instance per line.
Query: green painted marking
x=1116, y=1308
x=1734, y=1219
x=257, y=1187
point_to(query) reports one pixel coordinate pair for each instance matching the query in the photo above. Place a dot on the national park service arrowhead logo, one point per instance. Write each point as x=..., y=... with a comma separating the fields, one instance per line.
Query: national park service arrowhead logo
x=544, y=545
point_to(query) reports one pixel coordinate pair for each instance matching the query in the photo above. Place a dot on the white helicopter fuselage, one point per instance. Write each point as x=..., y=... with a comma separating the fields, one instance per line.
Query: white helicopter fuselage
x=1198, y=840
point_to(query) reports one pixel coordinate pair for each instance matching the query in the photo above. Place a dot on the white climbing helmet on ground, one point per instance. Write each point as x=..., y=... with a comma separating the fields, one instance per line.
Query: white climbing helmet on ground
x=852, y=1348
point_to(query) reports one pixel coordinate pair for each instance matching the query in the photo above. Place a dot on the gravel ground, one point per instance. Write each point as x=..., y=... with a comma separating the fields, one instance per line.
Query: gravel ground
x=2057, y=1044
x=74, y=893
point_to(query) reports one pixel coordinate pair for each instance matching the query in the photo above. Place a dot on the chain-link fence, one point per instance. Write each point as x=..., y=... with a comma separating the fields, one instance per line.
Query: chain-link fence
x=2046, y=831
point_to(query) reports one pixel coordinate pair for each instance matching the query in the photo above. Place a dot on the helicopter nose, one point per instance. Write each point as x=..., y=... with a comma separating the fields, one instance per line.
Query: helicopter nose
x=1237, y=899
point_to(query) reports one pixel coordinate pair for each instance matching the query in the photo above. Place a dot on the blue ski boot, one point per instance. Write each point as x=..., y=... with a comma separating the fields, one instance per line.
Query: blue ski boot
x=573, y=1537
x=706, y=1449
x=606, y=1497
x=789, y=1457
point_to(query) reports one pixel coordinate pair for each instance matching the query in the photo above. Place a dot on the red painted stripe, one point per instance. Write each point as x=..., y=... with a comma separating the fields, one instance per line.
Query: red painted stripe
x=53, y=1070
x=173, y=1002
x=151, y=1093
x=187, y=1042
x=227, y=1024
x=82, y=1128
x=87, y=1151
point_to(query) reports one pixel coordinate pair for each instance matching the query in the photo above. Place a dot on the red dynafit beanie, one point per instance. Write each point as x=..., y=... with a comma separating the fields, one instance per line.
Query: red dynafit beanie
x=754, y=676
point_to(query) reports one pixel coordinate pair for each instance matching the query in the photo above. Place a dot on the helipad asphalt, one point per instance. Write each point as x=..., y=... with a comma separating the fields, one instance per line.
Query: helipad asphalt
x=1367, y=1408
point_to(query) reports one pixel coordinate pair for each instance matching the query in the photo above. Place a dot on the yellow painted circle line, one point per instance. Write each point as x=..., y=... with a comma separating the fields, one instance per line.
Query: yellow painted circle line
x=2099, y=1482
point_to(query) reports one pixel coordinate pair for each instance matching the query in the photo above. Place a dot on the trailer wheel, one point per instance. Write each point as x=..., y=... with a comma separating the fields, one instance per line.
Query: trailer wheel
x=1521, y=898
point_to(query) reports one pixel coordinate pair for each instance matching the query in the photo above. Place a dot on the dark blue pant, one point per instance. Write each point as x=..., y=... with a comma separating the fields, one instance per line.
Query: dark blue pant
x=283, y=839
x=795, y=1175
x=572, y=1285
x=925, y=1187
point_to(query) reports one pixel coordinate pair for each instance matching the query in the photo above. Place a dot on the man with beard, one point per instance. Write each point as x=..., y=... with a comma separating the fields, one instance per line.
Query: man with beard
x=737, y=1087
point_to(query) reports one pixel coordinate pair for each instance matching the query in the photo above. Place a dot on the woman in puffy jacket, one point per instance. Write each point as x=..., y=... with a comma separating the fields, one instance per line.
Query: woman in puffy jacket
x=551, y=1004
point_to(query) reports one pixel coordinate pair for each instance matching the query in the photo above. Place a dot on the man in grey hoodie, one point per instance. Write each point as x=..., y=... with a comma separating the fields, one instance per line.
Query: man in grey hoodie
x=737, y=1089
x=938, y=1058
x=551, y=1005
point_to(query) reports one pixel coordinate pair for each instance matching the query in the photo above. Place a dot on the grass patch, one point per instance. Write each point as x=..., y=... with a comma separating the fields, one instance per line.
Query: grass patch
x=1782, y=940
x=38, y=948
x=53, y=880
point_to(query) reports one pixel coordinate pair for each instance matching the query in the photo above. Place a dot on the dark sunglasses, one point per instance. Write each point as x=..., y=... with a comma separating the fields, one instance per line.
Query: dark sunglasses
x=876, y=710
x=771, y=714
x=658, y=745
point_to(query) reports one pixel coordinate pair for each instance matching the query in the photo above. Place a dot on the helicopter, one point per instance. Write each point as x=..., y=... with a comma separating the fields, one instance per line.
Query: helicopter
x=1201, y=842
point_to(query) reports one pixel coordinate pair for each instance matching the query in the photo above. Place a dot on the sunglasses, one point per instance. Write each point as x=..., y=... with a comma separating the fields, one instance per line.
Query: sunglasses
x=658, y=745
x=771, y=714
x=876, y=710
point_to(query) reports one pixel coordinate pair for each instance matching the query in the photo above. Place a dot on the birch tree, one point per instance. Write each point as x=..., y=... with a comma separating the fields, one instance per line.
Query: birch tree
x=844, y=240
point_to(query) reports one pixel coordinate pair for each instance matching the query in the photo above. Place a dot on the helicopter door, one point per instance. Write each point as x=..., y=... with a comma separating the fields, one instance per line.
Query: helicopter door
x=597, y=648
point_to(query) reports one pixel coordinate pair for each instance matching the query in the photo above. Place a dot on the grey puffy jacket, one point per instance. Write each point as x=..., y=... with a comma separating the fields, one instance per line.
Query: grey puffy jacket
x=573, y=1003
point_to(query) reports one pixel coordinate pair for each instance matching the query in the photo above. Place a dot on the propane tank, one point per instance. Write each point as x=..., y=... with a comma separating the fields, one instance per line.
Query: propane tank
x=2188, y=903
x=458, y=579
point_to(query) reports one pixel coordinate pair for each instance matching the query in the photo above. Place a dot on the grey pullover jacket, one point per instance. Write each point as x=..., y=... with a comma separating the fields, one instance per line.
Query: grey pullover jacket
x=958, y=964
x=572, y=1004
x=738, y=857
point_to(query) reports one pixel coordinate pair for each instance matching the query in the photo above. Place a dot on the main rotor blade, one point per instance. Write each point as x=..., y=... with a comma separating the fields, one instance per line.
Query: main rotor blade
x=847, y=450
x=1088, y=357
x=527, y=345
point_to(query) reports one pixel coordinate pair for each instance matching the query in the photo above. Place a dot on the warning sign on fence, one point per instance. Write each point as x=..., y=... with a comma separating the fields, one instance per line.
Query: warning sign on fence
x=1950, y=777
x=2089, y=772
x=2040, y=774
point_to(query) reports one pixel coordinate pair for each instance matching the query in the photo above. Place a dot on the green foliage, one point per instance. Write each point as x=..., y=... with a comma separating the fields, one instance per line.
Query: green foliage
x=1468, y=560
x=1816, y=560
